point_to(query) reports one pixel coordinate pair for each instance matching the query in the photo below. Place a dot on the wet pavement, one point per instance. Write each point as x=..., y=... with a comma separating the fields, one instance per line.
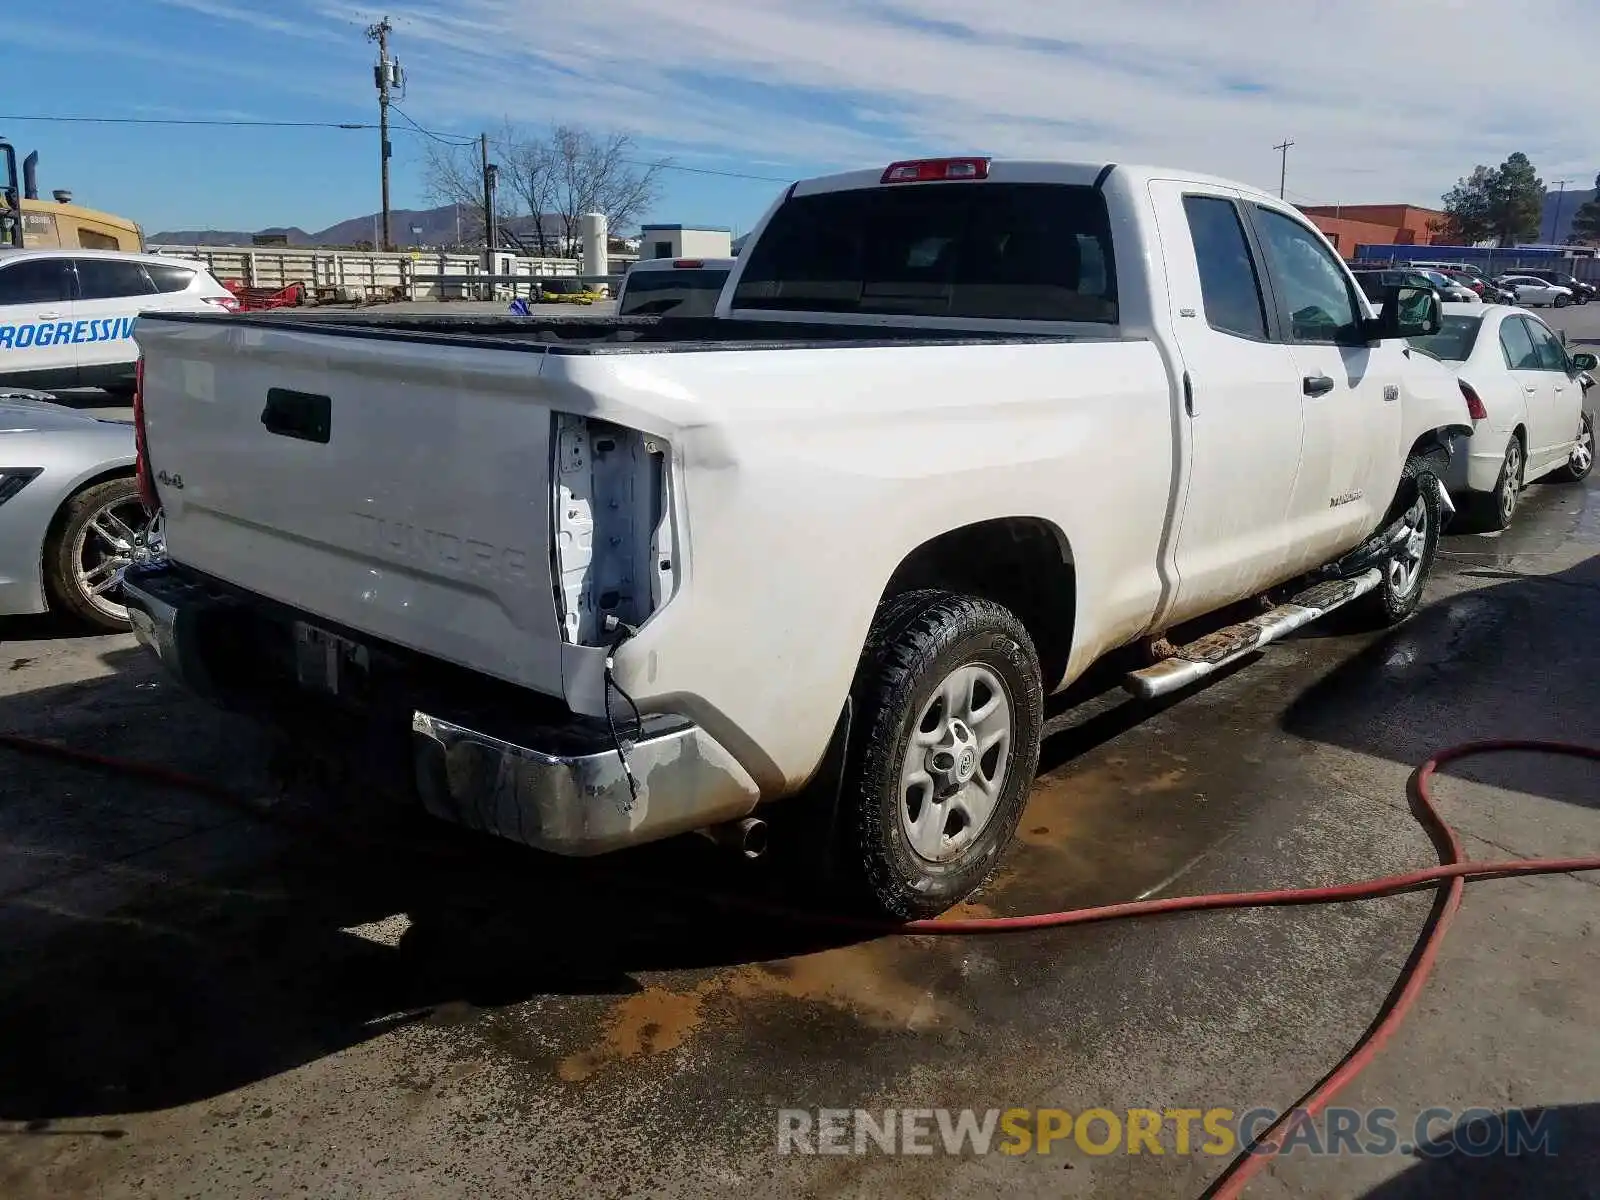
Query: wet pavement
x=269, y=999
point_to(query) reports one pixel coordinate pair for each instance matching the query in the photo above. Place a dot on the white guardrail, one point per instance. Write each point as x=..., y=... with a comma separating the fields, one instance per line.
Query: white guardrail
x=364, y=274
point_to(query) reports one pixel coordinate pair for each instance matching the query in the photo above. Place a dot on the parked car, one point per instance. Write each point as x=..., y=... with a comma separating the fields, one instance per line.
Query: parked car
x=1582, y=292
x=1375, y=284
x=1534, y=291
x=568, y=291
x=685, y=287
x=1526, y=396
x=70, y=514
x=814, y=559
x=66, y=316
x=1462, y=268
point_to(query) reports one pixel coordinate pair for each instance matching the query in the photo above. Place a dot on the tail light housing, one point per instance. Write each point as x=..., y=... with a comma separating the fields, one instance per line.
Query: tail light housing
x=690, y=263
x=1475, y=408
x=141, y=445
x=227, y=303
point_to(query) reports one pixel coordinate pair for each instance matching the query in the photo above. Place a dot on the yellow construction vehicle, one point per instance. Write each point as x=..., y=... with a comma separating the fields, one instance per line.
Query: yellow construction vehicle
x=26, y=220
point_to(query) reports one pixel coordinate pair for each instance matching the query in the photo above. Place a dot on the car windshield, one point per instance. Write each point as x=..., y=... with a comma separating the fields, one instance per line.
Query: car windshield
x=1454, y=341
x=684, y=292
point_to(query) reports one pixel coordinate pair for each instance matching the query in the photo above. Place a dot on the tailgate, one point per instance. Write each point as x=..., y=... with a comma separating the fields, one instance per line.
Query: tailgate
x=396, y=488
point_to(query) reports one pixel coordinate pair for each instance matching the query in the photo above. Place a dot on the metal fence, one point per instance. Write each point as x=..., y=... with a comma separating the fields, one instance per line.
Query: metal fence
x=362, y=275
x=1491, y=261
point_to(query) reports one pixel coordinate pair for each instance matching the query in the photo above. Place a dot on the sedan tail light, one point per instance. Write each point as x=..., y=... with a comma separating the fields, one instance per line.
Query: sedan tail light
x=229, y=303
x=1475, y=408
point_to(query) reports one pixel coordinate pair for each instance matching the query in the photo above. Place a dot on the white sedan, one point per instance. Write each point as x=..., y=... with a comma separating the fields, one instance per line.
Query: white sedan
x=1526, y=398
x=1530, y=290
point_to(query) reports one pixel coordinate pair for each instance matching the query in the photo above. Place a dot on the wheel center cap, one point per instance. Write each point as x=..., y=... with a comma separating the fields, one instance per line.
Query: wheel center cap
x=966, y=765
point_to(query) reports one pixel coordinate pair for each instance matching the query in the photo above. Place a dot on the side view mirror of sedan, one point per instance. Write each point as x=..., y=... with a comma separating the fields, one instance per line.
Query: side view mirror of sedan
x=1585, y=362
x=1407, y=312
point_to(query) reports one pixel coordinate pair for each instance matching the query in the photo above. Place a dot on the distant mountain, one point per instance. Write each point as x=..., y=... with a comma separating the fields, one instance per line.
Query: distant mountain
x=438, y=228
x=1570, y=202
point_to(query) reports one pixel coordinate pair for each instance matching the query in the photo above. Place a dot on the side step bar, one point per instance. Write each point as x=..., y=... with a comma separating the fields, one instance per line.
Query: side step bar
x=1216, y=650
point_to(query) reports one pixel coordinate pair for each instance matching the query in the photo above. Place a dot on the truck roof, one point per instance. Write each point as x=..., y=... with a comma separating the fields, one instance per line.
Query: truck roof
x=1020, y=170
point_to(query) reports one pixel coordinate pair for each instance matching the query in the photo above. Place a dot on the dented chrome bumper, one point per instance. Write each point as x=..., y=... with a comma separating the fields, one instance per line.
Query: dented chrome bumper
x=565, y=792
x=579, y=803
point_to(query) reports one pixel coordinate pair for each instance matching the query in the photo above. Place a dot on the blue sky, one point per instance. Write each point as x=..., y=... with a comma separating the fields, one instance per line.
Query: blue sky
x=786, y=88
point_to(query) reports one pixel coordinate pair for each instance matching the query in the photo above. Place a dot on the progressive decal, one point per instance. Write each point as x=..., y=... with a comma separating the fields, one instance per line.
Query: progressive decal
x=60, y=333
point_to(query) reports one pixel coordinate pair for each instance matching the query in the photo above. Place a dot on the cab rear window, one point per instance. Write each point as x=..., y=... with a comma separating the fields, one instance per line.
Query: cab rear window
x=999, y=251
x=681, y=291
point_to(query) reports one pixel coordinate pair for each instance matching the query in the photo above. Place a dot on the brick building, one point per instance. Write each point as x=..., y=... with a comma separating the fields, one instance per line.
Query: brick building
x=1351, y=225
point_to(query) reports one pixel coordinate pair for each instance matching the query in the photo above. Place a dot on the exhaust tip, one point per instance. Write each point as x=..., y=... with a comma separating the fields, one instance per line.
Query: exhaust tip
x=748, y=838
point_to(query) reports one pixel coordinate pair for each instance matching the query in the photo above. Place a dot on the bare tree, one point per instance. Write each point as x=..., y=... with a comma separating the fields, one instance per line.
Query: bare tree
x=562, y=176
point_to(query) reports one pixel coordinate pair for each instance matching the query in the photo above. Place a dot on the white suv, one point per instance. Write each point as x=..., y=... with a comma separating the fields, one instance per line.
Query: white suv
x=66, y=316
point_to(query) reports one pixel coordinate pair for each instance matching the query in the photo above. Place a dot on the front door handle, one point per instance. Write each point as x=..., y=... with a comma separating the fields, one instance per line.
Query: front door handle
x=1530, y=388
x=47, y=316
x=1316, y=385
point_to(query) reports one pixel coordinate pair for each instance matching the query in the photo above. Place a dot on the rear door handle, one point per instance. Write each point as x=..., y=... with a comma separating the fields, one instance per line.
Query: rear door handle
x=48, y=316
x=1316, y=385
x=303, y=415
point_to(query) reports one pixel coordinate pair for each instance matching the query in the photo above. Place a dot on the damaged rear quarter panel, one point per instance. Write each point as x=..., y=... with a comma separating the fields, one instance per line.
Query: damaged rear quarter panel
x=803, y=477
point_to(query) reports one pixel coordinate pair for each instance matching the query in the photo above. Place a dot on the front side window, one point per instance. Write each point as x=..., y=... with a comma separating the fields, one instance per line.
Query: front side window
x=111, y=279
x=1229, y=285
x=987, y=251
x=34, y=281
x=1552, y=356
x=1316, y=291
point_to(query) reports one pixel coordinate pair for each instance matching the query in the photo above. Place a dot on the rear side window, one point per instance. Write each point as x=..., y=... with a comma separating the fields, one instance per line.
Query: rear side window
x=999, y=251
x=684, y=293
x=1229, y=283
x=111, y=279
x=34, y=281
x=169, y=279
x=1518, y=346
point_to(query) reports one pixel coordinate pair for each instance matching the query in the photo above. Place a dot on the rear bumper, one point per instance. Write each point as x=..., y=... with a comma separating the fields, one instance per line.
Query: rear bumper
x=559, y=788
x=1475, y=461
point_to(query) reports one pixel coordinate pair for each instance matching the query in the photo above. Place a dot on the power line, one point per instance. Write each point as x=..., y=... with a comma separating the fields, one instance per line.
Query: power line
x=192, y=121
x=442, y=137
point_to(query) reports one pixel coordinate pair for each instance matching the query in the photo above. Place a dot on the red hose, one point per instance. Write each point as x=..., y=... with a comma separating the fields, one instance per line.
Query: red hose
x=1454, y=870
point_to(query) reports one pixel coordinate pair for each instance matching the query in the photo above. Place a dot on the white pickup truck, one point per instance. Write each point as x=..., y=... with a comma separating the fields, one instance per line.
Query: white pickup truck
x=957, y=430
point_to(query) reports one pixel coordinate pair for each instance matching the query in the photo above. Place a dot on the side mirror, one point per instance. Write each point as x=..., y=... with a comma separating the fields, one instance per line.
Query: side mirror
x=1407, y=312
x=1585, y=361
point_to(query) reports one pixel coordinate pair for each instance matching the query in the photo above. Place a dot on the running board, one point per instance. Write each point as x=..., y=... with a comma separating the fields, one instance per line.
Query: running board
x=1216, y=650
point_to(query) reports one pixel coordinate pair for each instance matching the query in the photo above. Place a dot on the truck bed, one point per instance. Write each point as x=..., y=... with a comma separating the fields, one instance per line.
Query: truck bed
x=610, y=335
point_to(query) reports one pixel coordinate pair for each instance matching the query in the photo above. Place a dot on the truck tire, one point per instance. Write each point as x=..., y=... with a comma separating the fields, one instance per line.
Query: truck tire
x=1406, y=569
x=949, y=702
x=87, y=544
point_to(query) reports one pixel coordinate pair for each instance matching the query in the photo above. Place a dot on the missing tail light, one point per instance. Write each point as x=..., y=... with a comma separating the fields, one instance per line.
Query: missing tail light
x=614, y=551
x=141, y=443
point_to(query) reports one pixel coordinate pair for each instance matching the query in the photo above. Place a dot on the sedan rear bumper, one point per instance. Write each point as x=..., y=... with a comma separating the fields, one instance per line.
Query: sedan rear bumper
x=561, y=788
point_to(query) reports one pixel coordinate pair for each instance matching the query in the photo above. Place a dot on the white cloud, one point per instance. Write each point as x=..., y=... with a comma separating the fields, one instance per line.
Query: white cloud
x=1384, y=99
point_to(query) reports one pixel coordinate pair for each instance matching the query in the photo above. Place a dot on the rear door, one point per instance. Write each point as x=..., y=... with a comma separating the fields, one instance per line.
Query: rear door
x=1241, y=410
x=111, y=293
x=35, y=308
x=1350, y=390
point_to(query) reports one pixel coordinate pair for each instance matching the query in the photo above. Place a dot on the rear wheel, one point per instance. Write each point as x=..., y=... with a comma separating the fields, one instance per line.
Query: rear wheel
x=1507, y=492
x=1581, y=460
x=950, y=703
x=1410, y=559
x=98, y=532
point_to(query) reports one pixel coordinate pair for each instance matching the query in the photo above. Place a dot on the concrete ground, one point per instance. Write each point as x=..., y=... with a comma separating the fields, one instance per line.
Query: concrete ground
x=306, y=995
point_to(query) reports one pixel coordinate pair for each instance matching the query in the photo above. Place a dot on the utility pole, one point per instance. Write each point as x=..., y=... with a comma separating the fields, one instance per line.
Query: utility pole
x=490, y=172
x=386, y=73
x=1283, y=170
x=1555, y=225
